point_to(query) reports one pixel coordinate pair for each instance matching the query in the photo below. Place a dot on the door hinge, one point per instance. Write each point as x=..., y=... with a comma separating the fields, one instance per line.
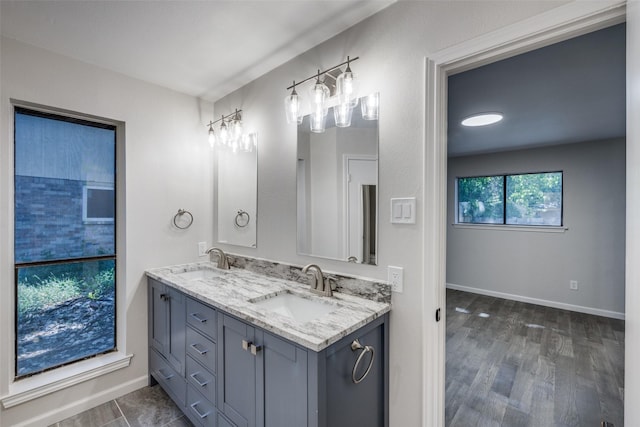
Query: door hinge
x=437, y=315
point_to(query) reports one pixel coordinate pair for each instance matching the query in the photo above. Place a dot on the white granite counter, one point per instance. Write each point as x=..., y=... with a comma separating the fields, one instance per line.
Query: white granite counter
x=234, y=290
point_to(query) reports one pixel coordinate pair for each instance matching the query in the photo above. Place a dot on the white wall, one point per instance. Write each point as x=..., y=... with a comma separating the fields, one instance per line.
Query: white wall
x=539, y=265
x=392, y=46
x=168, y=166
x=632, y=320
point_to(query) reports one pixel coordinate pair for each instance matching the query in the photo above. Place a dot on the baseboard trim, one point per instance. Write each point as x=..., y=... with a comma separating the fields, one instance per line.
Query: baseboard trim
x=546, y=303
x=89, y=402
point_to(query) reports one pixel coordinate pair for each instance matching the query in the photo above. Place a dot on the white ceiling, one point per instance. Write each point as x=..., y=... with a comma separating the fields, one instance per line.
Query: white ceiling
x=202, y=48
x=573, y=91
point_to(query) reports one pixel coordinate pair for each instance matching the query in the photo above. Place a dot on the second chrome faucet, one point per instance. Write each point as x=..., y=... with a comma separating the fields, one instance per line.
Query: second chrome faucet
x=319, y=284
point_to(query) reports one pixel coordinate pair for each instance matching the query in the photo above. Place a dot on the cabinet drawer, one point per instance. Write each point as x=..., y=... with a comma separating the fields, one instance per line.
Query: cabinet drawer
x=223, y=422
x=200, y=409
x=201, y=349
x=168, y=378
x=201, y=379
x=202, y=318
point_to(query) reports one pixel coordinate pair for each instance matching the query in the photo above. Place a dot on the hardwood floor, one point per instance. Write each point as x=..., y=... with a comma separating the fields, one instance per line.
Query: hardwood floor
x=514, y=364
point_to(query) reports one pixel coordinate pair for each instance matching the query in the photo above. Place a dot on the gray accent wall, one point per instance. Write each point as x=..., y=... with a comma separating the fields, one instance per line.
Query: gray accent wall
x=537, y=266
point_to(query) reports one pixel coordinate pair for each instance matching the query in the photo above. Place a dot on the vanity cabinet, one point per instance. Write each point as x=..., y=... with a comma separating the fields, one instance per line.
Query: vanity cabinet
x=167, y=331
x=235, y=374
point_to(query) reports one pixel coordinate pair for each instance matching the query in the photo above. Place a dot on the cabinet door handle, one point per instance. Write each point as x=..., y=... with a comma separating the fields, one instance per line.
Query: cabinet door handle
x=194, y=406
x=198, y=317
x=200, y=383
x=255, y=349
x=201, y=352
x=246, y=345
x=165, y=376
x=164, y=297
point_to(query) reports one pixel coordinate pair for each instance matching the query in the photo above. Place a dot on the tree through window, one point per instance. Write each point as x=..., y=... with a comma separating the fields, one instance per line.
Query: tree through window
x=519, y=199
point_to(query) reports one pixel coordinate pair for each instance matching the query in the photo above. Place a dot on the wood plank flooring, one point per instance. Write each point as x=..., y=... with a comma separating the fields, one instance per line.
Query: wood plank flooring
x=513, y=364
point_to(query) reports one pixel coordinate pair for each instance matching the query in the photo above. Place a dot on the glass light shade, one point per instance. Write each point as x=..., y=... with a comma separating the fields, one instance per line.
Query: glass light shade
x=236, y=129
x=212, y=136
x=317, y=120
x=292, y=104
x=252, y=141
x=371, y=107
x=347, y=88
x=342, y=114
x=224, y=134
x=319, y=95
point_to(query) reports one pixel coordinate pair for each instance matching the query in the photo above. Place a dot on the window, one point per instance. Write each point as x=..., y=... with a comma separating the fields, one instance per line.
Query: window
x=98, y=204
x=64, y=242
x=523, y=199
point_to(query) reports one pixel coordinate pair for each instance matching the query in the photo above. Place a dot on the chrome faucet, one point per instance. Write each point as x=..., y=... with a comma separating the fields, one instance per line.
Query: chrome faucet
x=223, y=260
x=319, y=284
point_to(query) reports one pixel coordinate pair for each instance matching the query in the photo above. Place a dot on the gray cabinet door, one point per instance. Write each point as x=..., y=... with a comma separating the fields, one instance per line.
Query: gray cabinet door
x=237, y=371
x=158, y=316
x=175, y=343
x=285, y=383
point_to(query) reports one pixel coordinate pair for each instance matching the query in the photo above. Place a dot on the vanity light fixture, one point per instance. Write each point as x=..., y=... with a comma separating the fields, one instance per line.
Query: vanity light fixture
x=346, y=99
x=231, y=133
x=482, y=119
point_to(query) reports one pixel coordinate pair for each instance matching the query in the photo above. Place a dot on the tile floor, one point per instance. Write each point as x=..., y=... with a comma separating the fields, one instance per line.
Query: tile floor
x=147, y=407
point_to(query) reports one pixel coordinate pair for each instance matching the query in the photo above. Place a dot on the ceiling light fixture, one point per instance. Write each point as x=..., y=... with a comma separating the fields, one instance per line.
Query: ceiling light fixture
x=482, y=119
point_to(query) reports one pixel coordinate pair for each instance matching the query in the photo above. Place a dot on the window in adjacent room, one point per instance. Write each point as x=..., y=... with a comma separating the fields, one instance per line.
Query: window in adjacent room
x=64, y=244
x=532, y=199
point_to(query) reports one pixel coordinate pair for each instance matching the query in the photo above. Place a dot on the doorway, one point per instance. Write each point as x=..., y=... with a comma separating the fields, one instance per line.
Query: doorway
x=560, y=24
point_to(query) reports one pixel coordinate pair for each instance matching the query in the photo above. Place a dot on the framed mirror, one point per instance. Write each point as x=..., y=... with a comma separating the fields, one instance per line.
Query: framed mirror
x=238, y=195
x=337, y=183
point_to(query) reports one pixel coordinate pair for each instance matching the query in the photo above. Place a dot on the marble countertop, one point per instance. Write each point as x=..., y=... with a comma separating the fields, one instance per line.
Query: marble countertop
x=234, y=290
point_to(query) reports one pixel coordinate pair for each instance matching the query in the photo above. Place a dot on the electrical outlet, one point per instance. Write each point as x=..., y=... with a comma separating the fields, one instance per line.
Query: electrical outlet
x=202, y=248
x=573, y=285
x=395, y=276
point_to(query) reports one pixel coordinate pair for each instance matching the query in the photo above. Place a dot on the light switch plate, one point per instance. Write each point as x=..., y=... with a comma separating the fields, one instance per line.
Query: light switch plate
x=403, y=210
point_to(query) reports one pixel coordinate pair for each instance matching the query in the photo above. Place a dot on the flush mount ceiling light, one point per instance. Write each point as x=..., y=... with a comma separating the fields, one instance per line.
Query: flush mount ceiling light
x=482, y=119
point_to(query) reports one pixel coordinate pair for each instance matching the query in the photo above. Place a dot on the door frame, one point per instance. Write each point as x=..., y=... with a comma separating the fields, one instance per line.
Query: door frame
x=558, y=24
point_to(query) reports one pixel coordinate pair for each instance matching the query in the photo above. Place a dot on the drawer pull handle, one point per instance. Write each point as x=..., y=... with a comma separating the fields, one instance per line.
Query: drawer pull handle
x=355, y=346
x=200, y=383
x=246, y=345
x=194, y=406
x=201, y=352
x=164, y=297
x=165, y=376
x=198, y=317
x=255, y=349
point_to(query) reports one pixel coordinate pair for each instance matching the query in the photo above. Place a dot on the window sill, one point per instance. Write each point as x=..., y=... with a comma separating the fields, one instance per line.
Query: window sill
x=30, y=388
x=527, y=228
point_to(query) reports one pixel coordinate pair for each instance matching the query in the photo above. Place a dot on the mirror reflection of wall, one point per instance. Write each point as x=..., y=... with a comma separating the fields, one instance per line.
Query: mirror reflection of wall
x=337, y=178
x=237, y=197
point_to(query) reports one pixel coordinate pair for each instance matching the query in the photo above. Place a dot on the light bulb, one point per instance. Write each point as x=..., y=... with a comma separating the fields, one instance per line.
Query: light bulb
x=224, y=133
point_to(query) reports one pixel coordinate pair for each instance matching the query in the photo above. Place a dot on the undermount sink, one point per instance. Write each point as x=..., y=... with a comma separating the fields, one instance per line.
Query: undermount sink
x=202, y=273
x=294, y=306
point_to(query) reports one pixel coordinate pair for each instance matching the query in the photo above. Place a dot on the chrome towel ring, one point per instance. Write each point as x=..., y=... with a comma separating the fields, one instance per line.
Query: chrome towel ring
x=242, y=218
x=178, y=215
x=355, y=346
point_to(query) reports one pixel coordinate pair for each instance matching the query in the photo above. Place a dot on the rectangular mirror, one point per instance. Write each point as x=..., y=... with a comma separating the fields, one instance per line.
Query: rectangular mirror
x=237, y=195
x=337, y=197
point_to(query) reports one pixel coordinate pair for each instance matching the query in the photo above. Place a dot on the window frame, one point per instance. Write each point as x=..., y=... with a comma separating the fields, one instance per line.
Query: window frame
x=504, y=223
x=81, y=119
x=85, y=207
